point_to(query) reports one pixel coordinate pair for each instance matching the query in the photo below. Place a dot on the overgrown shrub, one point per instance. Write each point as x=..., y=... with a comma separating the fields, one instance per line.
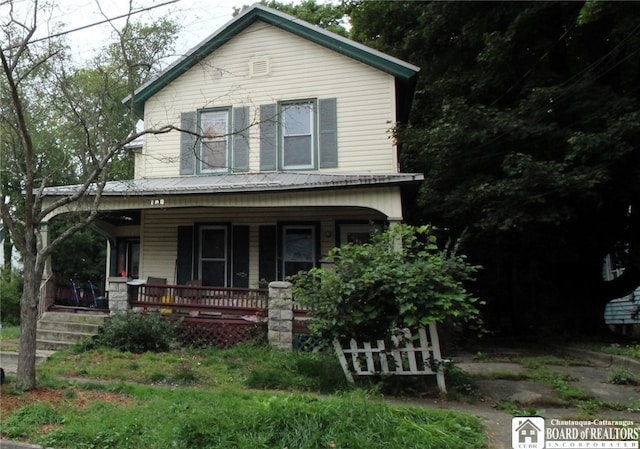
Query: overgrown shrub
x=138, y=332
x=10, y=293
x=403, y=279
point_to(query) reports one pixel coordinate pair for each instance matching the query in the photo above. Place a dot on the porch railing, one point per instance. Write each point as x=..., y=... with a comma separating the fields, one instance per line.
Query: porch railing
x=200, y=301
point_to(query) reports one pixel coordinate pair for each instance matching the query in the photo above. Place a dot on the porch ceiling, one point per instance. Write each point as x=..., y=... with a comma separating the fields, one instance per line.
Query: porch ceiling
x=243, y=182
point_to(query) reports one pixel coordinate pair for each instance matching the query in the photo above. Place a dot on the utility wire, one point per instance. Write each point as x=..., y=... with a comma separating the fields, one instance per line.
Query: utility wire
x=102, y=22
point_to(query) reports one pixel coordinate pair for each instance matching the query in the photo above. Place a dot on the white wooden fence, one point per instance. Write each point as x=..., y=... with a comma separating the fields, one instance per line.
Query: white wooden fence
x=406, y=357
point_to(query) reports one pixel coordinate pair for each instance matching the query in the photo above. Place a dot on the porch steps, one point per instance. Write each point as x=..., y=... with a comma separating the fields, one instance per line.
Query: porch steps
x=58, y=330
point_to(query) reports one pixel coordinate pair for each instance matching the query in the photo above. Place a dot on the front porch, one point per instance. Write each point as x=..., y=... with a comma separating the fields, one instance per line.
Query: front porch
x=220, y=316
x=240, y=231
x=208, y=315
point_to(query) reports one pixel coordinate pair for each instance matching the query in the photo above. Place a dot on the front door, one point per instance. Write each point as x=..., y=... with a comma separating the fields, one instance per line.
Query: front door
x=213, y=256
x=298, y=249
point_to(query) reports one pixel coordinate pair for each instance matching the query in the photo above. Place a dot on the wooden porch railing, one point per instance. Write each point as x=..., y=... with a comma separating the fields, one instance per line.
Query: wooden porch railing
x=208, y=315
x=221, y=302
x=300, y=319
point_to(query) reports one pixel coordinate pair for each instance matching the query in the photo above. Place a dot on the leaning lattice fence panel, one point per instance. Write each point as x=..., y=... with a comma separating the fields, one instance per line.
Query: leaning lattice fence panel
x=406, y=356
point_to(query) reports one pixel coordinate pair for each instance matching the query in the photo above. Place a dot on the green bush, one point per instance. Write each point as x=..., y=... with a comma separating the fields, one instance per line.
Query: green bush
x=11, y=291
x=400, y=280
x=138, y=333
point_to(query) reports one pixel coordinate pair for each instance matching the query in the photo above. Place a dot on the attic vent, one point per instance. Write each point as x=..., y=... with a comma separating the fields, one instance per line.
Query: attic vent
x=259, y=66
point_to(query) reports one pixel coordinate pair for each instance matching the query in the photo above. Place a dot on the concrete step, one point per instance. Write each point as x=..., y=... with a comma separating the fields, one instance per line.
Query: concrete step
x=74, y=316
x=53, y=345
x=9, y=360
x=66, y=326
x=64, y=336
x=59, y=329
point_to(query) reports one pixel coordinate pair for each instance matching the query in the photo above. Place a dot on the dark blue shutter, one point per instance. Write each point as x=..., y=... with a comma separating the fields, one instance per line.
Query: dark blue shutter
x=184, y=261
x=268, y=253
x=240, y=138
x=240, y=257
x=188, y=144
x=268, y=136
x=328, y=132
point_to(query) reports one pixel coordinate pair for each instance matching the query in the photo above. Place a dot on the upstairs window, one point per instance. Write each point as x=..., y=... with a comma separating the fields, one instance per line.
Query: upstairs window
x=217, y=141
x=298, y=135
x=214, y=144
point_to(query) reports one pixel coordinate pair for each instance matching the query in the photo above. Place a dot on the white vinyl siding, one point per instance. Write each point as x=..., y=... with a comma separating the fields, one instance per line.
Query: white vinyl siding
x=160, y=229
x=297, y=69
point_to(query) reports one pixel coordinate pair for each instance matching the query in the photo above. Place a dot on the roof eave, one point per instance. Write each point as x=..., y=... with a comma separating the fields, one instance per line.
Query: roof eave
x=130, y=190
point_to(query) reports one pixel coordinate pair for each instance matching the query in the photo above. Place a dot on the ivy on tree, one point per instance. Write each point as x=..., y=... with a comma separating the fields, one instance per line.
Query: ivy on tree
x=402, y=279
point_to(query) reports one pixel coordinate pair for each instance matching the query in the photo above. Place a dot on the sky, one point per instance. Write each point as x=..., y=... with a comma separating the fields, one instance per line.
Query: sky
x=198, y=18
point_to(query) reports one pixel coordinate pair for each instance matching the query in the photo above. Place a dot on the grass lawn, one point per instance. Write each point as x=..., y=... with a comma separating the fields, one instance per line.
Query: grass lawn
x=150, y=417
x=9, y=336
x=247, y=397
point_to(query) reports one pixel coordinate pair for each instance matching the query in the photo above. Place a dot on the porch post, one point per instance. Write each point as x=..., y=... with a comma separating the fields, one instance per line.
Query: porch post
x=393, y=222
x=44, y=242
x=280, y=315
x=118, y=294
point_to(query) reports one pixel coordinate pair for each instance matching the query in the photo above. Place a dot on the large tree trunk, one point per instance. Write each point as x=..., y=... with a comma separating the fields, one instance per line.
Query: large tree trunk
x=26, y=376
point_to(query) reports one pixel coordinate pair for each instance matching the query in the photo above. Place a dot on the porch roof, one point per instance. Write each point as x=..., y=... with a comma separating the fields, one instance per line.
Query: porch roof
x=242, y=182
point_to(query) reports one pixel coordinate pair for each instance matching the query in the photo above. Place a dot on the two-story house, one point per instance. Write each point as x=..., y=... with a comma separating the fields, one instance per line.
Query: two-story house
x=283, y=150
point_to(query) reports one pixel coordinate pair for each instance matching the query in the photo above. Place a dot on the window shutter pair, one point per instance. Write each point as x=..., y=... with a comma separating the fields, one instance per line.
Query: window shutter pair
x=239, y=141
x=186, y=261
x=327, y=137
x=327, y=134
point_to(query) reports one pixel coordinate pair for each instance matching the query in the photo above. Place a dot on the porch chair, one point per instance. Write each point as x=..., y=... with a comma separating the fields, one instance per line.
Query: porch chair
x=154, y=293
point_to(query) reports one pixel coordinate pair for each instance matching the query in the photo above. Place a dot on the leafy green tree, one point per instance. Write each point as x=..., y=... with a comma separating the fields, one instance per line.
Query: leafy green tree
x=11, y=289
x=83, y=255
x=97, y=90
x=400, y=280
x=525, y=124
x=47, y=108
x=331, y=17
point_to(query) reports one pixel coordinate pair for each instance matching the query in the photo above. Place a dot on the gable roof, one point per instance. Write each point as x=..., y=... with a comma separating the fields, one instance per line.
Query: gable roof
x=404, y=72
